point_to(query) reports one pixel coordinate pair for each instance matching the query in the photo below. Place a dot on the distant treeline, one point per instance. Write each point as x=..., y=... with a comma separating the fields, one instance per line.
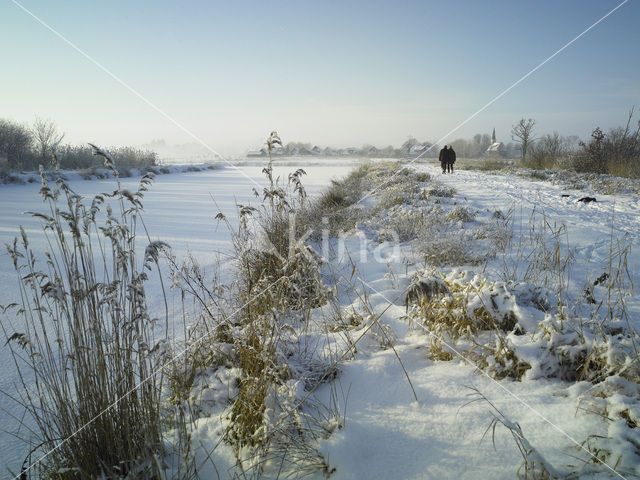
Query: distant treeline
x=77, y=157
x=25, y=148
x=411, y=148
x=616, y=152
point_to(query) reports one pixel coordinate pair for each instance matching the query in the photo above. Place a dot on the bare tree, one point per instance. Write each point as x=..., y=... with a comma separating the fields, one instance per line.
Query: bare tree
x=406, y=146
x=478, y=145
x=460, y=146
x=388, y=151
x=522, y=132
x=553, y=145
x=617, y=152
x=45, y=133
x=550, y=151
x=624, y=143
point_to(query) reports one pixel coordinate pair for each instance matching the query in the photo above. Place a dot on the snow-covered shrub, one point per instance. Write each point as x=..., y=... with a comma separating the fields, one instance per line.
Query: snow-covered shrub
x=463, y=214
x=499, y=359
x=94, y=172
x=290, y=435
x=525, y=339
x=257, y=360
x=443, y=249
x=209, y=339
x=575, y=349
x=423, y=177
x=492, y=164
x=124, y=172
x=397, y=193
x=422, y=222
x=615, y=400
x=347, y=319
x=425, y=290
x=334, y=219
x=443, y=191
x=403, y=224
x=607, y=184
x=275, y=421
x=276, y=269
x=334, y=210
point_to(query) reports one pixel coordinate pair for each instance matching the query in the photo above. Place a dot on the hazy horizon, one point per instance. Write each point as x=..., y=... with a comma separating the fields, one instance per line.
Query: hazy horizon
x=329, y=73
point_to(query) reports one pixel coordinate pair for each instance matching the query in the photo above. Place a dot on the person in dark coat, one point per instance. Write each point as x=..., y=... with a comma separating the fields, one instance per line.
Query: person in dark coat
x=451, y=159
x=443, y=158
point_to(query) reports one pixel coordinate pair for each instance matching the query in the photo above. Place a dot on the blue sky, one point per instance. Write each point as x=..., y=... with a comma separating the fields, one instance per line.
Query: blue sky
x=332, y=72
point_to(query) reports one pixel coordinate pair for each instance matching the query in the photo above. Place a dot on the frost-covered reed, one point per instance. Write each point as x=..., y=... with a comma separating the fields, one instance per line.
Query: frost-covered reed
x=84, y=342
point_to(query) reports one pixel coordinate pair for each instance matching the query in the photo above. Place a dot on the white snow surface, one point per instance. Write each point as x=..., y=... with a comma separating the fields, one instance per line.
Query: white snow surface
x=384, y=433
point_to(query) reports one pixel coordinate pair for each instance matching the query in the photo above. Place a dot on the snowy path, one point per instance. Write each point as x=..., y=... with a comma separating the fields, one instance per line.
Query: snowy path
x=593, y=230
x=589, y=224
x=390, y=435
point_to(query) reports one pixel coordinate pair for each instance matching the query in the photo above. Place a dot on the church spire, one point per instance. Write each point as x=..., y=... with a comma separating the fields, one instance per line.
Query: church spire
x=493, y=136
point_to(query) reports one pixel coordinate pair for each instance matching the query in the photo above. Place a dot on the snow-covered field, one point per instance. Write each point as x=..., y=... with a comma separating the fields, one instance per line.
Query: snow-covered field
x=384, y=431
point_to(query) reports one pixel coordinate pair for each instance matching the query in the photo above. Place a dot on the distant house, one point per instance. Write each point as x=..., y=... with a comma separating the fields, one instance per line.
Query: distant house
x=277, y=150
x=316, y=150
x=496, y=149
x=373, y=151
x=349, y=151
x=330, y=152
x=417, y=149
x=258, y=153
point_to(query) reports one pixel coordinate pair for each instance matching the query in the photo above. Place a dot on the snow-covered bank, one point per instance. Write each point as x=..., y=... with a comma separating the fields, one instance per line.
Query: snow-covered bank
x=385, y=433
x=552, y=413
x=98, y=173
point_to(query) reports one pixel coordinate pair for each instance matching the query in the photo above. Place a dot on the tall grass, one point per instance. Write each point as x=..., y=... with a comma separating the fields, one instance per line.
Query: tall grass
x=334, y=209
x=277, y=285
x=86, y=352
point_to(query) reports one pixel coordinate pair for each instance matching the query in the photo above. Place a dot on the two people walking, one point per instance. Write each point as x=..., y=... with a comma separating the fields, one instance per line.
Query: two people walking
x=447, y=159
